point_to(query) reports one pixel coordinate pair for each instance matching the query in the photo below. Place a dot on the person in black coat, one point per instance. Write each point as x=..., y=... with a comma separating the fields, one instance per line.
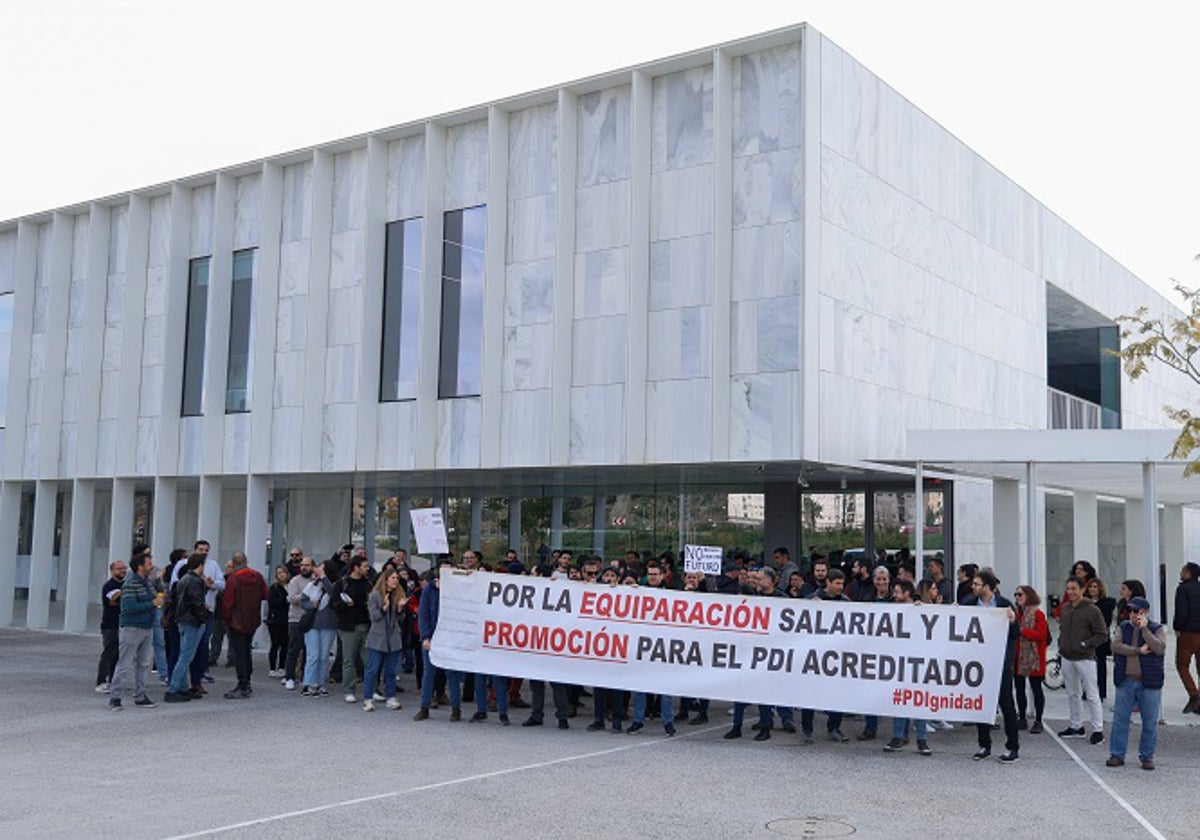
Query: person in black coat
x=986, y=594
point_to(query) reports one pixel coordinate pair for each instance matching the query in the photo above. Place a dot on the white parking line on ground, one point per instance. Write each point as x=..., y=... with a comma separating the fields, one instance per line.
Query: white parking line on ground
x=208, y=832
x=1133, y=812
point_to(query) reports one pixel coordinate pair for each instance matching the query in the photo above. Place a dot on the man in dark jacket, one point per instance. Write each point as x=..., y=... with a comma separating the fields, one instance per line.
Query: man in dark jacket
x=427, y=618
x=986, y=594
x=1187, y=631
x=353, y=623
x=110, y=625
x=191, y=618
x=1081, y=630
x=241, y=607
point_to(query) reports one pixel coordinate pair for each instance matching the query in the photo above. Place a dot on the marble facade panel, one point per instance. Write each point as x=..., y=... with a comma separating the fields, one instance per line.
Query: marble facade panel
x=118, y=238
x=681, y=202
x=113, y=341
x=466, y=165
x=681, y=272
x=347, y=265
x=761, y=416
x=603, y=136
x=768, y=188
x=285, y=438
x=341, y=373
x=291, y=323
x=156, y=291
x=533, y=151
x=767, y=261
x=106, y=446
x=349, y=191
x=114, y=301
x=150, y=391
x=154, y=339
x=345, y=315
x=766, y=101
x=37, y=358
x=8, y=261
x=70, y=406
x=677, y=412
x=602, y=283
x=41, y=267
x=338, y=437
x=602, y=216
x=406, y=178
x=159, y=247
x=599, y=350
x=76, y=300
x=528, y=353
x=289, y=379
x=191, y=445
x=146, y=456
x=394, y=435
x=236, y=457
x=531, y=228
x=79, y=247
x=202, y=221
x=679, y=343
x=525, y=428
x=33, y=434
x=529, y=293
x=74, y=355
x=67, y=437
x=765, y=335
x=247, y=212
x=293, y=267
x=458, y=433
x=41, y=302
x=297, y=202
x=598, y=424
x=110, y=393
x=681, y=119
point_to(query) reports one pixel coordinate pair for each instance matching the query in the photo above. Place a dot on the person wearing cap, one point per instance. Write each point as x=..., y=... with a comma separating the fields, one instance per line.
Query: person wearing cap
x=1138, y=670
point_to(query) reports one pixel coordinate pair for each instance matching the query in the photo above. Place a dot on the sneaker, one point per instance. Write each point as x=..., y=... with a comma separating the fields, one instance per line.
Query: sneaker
x=393, y=703
x=290, y=685
x=350, y=698
x=1037, y=728
x=698, y=720
x=504, y=721
x=208, y=678
x=983, y=753
x=943, y=724
x=176, y=697
x=377, y=697
x=236, y=694
x=789, y=728
x=596, y=726
x=1097, y=738
x=1072, y=733
x=736, y=732
x=866, y=735
x=1187, y=709
x=103, y=688
x=145, y=703
x=423, y=714
x=763, y=734
x=635, y=728
x=368, y=705
x=443, y=700
x=322, y=691
x=532, y=722
x=477, y=717
x=1022, y=724
x=806, y=738
x=923, y=748
x=895, y=744
x=669, y=728
x=1147, y=764
x=1114, y=761
x=837, y=737
x=307, y=691
x=562, y=724
x=1009, y=757
x=616, y=727
x=455, y=715
x=114, y=705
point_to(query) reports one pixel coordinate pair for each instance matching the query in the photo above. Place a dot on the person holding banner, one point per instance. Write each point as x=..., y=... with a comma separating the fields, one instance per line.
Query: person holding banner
x=428, y=619
x=834, y=590
x=986, y=586
x=902, y=593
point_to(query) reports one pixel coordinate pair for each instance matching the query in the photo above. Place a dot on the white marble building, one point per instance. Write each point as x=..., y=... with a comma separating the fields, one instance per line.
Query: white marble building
x=746, y=263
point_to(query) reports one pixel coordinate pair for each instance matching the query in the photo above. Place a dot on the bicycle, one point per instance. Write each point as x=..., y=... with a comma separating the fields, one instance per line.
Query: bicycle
x=1053, y=679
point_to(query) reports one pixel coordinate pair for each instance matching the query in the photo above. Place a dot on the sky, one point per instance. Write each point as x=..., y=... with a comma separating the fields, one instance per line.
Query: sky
x=1090, y=106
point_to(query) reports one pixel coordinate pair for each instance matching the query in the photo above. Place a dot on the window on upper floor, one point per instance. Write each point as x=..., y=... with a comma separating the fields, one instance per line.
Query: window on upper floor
x=193, y=343
x=459, y=370
x=240, y=368
x=401, y=310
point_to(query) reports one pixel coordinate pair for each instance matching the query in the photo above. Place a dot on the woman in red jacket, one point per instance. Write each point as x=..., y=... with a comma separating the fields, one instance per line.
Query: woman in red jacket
x=1030, y=661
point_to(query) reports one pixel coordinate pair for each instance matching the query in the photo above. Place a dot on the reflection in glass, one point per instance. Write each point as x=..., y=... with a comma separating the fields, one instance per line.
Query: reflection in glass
x=6, y=318
x=401, y=307
x=193, y=347
x=240, y=369
x=459, y=372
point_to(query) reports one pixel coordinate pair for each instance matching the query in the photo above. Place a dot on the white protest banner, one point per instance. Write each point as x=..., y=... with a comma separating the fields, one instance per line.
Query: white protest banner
x=900, y=660
x=705, y=559
x=430, y=531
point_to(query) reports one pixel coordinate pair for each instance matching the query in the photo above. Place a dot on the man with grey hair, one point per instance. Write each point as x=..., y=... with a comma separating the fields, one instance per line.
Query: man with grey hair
x=241, y=606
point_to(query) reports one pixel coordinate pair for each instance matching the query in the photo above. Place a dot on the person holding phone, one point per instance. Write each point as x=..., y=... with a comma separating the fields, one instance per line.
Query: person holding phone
x=1138, y=647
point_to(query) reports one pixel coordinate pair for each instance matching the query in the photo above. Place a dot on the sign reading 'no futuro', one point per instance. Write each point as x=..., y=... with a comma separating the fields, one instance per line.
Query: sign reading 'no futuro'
x=899, y=660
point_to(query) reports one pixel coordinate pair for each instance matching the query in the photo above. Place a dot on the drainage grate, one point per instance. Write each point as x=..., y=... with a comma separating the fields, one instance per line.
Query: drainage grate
x=810, y=827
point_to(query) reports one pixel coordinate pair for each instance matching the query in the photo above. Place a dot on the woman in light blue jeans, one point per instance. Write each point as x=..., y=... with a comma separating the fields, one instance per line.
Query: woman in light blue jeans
x=319, y=641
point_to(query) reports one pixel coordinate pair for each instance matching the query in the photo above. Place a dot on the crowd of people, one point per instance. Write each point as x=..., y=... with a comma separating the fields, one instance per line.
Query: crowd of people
x=342, y=622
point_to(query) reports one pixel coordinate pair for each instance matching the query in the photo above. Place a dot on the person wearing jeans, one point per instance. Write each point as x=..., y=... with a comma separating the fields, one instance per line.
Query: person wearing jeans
x=191, y=617
x=427, y=621
x=639, y=712
x=318, y=641
x=388, y=607
x=1138, y=674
